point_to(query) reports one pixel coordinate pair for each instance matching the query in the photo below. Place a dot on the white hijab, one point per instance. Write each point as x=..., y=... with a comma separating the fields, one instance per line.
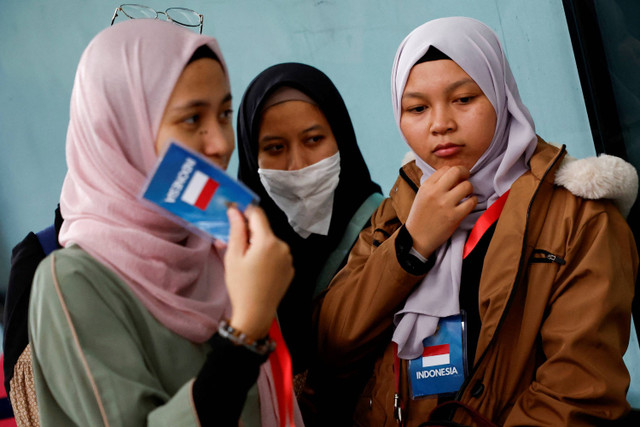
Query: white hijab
x=476, y=49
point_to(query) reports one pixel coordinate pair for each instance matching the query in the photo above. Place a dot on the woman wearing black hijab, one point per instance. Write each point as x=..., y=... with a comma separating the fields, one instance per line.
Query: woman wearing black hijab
x=318, y=251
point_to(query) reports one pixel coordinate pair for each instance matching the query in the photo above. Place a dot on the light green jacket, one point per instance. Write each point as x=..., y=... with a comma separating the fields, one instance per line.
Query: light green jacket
x=99, y=357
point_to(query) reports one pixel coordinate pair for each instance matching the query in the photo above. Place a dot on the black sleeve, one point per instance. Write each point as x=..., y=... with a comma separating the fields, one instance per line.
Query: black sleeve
x=25, y=258
x=221, y=387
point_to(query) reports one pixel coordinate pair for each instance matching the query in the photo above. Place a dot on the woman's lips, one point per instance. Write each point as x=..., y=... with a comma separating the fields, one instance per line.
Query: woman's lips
x=446, y=150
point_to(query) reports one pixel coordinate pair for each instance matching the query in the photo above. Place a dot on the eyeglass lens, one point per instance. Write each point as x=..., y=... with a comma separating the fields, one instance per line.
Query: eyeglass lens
x=183, y=16
x=136, y=11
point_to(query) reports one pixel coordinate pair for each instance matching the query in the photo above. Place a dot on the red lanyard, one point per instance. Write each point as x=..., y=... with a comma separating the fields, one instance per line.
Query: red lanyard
x=486, y=220
x=397, y=402
x=280, y=361
x=483, y=223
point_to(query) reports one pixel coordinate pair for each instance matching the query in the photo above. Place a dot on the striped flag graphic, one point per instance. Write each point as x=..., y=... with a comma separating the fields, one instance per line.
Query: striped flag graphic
x=199, y=191
x=436, y=355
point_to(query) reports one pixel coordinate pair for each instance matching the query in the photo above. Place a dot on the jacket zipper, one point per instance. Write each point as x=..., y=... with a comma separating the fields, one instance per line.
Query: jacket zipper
x=546, y=258
x=523, y=262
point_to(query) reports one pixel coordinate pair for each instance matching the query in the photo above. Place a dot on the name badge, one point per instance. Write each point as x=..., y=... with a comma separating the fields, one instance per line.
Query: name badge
x=442, y=367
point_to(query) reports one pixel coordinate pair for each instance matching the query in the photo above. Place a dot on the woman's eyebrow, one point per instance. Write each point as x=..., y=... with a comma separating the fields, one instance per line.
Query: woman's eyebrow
x=268, y=138
x=312, y=128
x=199, y=103
x=191, y=104
x=450, y=88
x=453, y=86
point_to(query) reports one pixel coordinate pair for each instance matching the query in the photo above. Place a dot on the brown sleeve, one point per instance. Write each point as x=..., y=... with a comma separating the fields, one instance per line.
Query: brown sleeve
x=355, y=315
x=586, y=331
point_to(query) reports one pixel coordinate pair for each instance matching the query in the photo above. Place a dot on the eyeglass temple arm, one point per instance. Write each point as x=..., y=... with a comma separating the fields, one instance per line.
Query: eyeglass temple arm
x=201, y=21
x=115, y=14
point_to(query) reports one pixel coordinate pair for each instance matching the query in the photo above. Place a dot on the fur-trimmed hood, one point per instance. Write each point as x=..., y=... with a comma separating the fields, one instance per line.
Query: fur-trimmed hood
x=601, y=177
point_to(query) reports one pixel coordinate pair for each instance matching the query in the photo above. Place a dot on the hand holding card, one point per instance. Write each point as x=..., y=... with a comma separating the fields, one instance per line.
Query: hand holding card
x=257, y=273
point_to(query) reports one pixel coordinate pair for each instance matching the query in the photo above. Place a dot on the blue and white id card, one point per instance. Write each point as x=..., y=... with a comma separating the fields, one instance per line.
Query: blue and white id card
x=196, y=191
x=442, y=367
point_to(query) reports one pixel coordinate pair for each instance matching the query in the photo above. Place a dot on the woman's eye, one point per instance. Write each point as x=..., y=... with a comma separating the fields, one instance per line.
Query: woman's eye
x=464, y=99
x=227, y=114
x=193, y=119
x=417, y=109
x=273, y=148
x=314, y=139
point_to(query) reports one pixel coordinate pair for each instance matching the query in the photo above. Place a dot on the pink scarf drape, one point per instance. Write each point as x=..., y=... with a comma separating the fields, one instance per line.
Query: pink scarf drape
x=124, y=80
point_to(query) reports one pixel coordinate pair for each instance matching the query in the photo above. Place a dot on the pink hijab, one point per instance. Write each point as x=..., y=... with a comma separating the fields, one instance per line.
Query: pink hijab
x=477, y=50
x=123, y=83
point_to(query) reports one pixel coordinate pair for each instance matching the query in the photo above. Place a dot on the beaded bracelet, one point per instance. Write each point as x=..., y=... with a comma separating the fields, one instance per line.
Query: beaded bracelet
x=262, y=346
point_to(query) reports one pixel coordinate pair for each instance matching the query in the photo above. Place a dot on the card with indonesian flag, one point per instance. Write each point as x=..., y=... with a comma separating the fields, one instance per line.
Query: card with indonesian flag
x=195, y=192
x=441, y=369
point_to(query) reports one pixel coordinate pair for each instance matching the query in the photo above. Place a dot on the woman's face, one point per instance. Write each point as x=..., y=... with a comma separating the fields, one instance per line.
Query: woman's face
x=199, y=113
x=446, y=118
x=293, y=135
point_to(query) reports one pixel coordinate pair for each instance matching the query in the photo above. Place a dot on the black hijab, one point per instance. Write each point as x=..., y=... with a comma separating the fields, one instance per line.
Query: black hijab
x=310, y=254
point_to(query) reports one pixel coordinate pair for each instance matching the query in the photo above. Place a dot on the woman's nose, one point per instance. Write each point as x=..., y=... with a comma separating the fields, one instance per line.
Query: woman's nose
x=442, y=121
x=217, y=143
x=297, y=158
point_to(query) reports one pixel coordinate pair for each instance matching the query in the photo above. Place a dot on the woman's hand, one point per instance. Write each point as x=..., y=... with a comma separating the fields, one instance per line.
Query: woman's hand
x=258, y=271
x=438, y=208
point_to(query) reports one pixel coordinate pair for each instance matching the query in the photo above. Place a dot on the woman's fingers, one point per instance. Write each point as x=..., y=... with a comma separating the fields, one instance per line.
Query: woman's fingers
x=466, y=206
x=238, y=238
x=258, y=270
x=448, y=177
x=259, y=227
x=452, y=184
x=460, y=192
x=442, y=202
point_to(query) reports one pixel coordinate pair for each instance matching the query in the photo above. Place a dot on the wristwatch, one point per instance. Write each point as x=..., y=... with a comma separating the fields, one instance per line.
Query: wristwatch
x=408, y=261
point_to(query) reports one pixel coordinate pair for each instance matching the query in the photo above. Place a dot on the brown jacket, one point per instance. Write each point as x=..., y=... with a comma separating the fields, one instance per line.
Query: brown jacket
x=552, y=338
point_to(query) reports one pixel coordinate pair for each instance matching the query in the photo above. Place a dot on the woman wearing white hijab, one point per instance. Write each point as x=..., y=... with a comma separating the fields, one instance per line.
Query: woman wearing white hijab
x=126, y=322
x=535, y=282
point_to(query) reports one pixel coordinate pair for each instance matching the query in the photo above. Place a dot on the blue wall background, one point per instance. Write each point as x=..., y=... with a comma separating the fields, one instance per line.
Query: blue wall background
x=353, y=41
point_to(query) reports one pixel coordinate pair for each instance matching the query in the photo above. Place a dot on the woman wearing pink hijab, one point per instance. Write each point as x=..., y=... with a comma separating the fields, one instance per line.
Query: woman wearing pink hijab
x=124, y=320
x=489, y=289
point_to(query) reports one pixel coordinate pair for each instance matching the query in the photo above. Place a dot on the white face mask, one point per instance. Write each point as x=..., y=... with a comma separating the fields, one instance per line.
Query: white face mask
x=305, y=195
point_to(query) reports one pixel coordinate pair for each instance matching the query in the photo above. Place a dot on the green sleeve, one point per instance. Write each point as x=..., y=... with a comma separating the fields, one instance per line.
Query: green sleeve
x=91, y=365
